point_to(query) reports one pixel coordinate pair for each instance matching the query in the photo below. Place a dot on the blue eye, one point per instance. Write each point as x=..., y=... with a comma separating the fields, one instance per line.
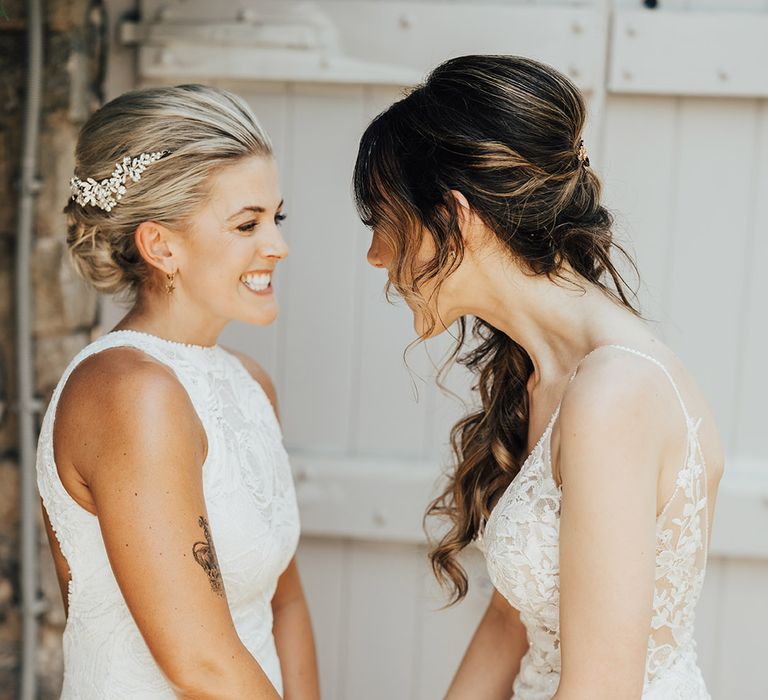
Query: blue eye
x=279, y=218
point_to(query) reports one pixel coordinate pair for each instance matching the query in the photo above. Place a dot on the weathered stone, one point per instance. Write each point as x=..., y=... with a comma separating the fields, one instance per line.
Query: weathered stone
x=57, y=162
x=8, y=156
x=6, y=593
x=8, y=424
x=8, y=436
x=13, y=10
x=52, y=355
x=67, y=15
x=10, y=636
x=64, y=308
x=63, y=302
x=9, y=490
x=50, y=662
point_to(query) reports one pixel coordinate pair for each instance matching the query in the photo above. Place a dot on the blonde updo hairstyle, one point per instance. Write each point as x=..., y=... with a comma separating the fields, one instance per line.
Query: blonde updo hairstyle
x=203, y=129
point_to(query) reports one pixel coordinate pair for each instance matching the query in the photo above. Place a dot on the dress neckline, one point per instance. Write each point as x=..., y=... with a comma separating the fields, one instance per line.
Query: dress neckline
x=207, y=349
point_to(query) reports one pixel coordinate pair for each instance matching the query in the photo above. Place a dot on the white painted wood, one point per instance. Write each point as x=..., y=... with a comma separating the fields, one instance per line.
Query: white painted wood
x=708, y=238
x=743, y=621
x=689, y=180
x=445, y=632
x=751, y=436
x=694, y=6
x=384, y=500
x=363, y=498
x=323, y=568
x=708, y=623
x=640, y=178
x=423, y=37
x=741, y=515
x=383, y=331
x=689, y=53
x=382, y=621
x=318, y=297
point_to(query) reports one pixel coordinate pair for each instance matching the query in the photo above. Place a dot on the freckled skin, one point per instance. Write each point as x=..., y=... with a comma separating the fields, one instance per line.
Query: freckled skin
x=146, y=466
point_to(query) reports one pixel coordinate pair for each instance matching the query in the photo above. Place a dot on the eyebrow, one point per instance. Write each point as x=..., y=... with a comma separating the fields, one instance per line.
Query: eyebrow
x=255, y=209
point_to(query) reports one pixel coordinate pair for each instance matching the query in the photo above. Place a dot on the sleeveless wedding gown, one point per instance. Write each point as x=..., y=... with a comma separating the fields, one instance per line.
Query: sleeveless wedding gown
x=520, y=542
x=253, y=517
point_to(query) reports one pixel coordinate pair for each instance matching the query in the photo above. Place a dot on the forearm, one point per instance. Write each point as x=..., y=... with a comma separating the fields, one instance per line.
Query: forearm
x=231, y=675
x=296, y=649
x=492, y=660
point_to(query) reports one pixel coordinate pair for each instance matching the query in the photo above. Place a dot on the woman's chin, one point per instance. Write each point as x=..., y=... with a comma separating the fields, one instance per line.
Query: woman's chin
x=423, y=331
x=264, y=318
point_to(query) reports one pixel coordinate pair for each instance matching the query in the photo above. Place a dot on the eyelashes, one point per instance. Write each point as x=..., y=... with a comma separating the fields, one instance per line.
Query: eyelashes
x=251, y=225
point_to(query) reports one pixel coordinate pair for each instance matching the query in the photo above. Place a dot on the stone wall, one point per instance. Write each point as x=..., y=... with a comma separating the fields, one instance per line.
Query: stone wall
x=65, y=311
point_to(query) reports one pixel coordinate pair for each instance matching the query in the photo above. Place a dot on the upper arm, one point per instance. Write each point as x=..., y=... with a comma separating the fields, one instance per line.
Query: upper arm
x=144, y=471
x=609, y=462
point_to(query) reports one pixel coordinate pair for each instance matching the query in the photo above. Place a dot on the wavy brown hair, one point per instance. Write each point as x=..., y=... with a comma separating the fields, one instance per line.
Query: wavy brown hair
x=504, y=131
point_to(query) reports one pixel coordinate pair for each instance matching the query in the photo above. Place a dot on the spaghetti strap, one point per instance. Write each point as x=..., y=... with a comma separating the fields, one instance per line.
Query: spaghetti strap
x=689, y=421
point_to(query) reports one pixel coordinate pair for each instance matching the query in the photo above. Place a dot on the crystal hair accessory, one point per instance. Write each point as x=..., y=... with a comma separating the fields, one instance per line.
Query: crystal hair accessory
x=108, y=192
x=581, y=154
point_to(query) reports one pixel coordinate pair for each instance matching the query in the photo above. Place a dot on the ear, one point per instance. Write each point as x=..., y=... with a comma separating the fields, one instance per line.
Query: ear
x=470, y=224
x=153, y=241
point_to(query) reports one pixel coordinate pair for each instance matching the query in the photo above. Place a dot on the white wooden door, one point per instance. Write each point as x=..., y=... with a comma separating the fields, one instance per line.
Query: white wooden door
x=678, y=129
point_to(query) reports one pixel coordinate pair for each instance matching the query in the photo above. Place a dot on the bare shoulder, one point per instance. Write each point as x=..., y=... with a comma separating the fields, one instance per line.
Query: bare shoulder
x=624, y=397
x=258, y=373
x=616, y=389
x=121, y=395
x=117, y=376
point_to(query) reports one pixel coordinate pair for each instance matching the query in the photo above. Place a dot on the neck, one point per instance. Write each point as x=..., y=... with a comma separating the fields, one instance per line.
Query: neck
x=170, y=321
x=557, y=321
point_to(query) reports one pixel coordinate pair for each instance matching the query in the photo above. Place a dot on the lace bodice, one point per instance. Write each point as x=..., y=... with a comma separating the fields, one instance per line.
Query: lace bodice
x=521, y=547
x=252, y=513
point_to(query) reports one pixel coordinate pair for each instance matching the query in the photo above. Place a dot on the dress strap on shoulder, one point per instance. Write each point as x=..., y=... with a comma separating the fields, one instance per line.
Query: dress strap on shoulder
x=656, y=362
x=668, y=374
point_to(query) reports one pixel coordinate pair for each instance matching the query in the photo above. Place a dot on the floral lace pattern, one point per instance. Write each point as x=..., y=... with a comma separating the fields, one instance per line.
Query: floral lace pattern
x=521, y=546
x=252, y=512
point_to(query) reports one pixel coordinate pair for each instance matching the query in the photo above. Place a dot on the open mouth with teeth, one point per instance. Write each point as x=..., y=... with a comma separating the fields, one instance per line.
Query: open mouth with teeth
x=258, y=282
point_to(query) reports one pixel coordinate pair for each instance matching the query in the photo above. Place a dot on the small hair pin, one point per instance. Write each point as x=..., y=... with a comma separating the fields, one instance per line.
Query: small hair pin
x=582, y=154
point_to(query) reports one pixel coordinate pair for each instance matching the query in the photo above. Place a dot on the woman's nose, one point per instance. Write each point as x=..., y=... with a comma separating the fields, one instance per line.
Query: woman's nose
x=374, y=258
x=276, y=247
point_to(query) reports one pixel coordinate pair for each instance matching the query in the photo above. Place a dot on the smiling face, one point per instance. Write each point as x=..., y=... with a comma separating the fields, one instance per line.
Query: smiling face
x=226, y=260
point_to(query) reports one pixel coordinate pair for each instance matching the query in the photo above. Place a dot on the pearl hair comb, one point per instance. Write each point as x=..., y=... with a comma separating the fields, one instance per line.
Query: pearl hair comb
x=108, y=192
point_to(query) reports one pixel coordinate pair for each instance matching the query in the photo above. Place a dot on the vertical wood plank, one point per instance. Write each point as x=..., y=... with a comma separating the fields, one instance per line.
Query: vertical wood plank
x=445, y=634
x=640, y=187
x=388, y=420
x=319, y=298
x=751, y=440
x=708, y=627
x=711, y=223
x=323, y=567
x=744, y=621
x=382, y=613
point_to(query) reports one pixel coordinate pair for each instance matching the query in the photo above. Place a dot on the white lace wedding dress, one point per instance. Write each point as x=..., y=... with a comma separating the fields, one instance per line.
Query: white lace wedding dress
x=253, y=520
x=521, y=546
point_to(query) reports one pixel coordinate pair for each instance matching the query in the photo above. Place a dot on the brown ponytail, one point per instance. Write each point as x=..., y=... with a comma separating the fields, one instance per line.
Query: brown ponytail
x=506, y=132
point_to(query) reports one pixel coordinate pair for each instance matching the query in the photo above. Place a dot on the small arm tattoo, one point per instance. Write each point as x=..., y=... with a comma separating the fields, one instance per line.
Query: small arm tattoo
x=205, y=555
